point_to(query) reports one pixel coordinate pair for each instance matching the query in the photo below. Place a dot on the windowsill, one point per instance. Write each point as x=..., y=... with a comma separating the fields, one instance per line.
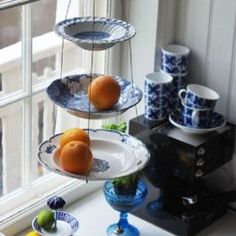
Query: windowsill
x=95, y=215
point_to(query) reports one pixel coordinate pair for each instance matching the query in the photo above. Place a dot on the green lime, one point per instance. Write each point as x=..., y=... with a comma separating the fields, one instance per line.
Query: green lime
x=45, y=219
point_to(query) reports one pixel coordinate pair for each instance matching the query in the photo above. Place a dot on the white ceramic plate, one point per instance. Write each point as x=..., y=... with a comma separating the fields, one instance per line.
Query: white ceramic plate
x=217, y=122
x=95, y=33
x=66, y=225
x=115, y=154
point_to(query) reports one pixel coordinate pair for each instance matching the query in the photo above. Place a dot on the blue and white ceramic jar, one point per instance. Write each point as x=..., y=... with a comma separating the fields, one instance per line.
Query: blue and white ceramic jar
x=175, y=59
x=157, y=89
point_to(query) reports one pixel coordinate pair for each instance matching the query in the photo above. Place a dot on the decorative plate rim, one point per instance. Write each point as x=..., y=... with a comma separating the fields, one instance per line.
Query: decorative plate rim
x=130, y=142
x=59, y=28
x=192, y=129
x=94, y=114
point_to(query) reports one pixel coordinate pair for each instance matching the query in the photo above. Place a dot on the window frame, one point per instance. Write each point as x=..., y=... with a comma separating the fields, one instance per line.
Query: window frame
x=4, y=4
x=21, y=216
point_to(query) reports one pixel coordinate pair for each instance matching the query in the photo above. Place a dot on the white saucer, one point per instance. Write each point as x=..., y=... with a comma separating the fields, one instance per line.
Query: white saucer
x=217, y=122
x=115, y=154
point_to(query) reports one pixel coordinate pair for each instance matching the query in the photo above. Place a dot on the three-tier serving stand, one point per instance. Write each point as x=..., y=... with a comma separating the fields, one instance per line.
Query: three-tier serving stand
x=116, y=154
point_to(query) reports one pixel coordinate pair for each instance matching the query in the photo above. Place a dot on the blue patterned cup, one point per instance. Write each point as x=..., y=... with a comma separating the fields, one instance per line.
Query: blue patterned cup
x=179, y=82
x=196, y=118
x=198, y=96
x=157, y=88
x=175, y=59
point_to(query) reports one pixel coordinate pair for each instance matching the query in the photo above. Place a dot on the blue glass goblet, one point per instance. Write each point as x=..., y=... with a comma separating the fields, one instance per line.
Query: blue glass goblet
x=124, y=204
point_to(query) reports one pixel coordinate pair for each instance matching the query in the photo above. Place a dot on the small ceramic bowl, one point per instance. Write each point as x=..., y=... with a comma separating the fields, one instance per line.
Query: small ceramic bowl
x=95, y=33
x=66, y=225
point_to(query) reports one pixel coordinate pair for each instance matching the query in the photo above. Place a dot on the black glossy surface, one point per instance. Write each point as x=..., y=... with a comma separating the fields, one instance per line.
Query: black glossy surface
x=178, y=200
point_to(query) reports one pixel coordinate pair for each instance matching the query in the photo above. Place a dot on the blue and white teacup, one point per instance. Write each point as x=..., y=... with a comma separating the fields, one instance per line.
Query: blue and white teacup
x=179, y=82
x=196, y=118
x=175, y=59
x=198, y=96
x=157, y=88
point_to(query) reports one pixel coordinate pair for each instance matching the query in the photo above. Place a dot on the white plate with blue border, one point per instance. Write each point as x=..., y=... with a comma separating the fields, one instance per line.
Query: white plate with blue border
x=217, y=122
x=66, y=225
x=95, y=33
x=70, y=93
x=115, y=154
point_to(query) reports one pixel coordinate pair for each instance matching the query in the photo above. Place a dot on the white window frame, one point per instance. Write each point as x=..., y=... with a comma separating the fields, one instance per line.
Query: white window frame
x=16, y=218
x=10, y=3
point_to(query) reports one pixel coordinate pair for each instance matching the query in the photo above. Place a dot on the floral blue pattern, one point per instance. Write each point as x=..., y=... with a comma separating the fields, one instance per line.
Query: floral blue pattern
x=179, y=82
x=95, y=33
x=193, y=100
x=71, y=93
x=196, y=118
x=157, y=100
x=114, y=154
x=174, y=64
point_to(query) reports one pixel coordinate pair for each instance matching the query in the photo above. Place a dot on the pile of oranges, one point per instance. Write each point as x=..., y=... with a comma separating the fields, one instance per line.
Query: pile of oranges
x=74, y=154
x=74, y=151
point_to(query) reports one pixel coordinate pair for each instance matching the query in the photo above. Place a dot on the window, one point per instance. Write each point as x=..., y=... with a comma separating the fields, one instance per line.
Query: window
x=30, y=59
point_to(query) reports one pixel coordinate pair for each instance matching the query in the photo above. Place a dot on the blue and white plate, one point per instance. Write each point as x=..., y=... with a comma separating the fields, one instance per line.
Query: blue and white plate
x=95, y=33
x=71, y=93
x=66, y=225
x=217, y=122
x=115, y=154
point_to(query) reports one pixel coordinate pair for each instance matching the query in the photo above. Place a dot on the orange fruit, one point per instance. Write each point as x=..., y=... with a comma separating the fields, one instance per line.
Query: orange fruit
x=57, y=153
x=76, y=157
x=104, y=92
x=74, y=134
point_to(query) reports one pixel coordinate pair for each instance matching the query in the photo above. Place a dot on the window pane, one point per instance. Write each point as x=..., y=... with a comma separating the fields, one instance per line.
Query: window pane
x=43, y=127
x=10, y=148
x=10, y=51
x=41, y=9
x=47, y=46
x=9, y=3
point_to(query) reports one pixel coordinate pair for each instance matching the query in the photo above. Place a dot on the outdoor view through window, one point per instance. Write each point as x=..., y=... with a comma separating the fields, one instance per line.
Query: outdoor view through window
x=27, y=116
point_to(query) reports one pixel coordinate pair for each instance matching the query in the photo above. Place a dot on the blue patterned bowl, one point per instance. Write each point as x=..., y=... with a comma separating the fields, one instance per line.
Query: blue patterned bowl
x=71, y=93
x=66, y=225
x=95, y=33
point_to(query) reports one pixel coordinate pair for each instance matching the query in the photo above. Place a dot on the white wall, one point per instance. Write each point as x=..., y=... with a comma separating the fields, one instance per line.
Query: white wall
x=143, y=16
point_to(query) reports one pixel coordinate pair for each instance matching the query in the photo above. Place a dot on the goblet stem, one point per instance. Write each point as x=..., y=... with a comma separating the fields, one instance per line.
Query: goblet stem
x=123, y=222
